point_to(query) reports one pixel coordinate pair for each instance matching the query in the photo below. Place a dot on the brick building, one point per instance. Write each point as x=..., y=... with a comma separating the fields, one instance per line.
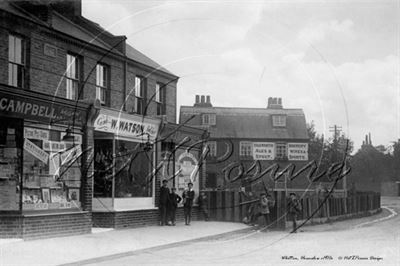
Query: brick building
x=244, y=142
x=85, y=118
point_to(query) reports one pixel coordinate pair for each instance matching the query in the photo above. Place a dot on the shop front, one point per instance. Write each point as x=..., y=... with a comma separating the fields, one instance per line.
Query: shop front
x=124, y=163
x=42, y=165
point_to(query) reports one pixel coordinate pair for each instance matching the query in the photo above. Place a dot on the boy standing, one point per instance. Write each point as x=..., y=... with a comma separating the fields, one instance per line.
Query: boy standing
x=174, y=200
x=188, y=197
x=294, y=208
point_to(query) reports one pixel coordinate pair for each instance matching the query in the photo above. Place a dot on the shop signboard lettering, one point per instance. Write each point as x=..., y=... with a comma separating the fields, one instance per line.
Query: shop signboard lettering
x=263, y=151
x=53, y=146
x=36, y=151
x=38, y=110
x=34, y=133
x=298, y=151
x=135, y=127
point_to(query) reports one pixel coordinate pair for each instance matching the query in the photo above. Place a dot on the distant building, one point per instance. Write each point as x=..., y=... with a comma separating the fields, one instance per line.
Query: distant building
x=238, y=137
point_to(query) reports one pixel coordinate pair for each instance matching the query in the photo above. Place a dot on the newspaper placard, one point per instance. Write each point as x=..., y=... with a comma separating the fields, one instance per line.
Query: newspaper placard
x=30, y=147
x=34, y=133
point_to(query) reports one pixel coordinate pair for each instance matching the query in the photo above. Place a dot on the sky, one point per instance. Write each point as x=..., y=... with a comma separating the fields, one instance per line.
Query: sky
x=336, y=60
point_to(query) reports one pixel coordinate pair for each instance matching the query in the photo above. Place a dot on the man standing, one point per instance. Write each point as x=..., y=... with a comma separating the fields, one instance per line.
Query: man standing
x=294, y=207
x=188, y=197
x=164, y=202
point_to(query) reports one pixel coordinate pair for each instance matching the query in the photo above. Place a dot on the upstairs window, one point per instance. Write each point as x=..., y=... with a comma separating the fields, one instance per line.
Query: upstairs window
x=213, y=148
x=208, y=119
x=101, y=83
x=139, y=95
x=246, y=148
x=72, y=77
x=160, y=99
x=16, y=61
x=279, y=120
x=280, y=151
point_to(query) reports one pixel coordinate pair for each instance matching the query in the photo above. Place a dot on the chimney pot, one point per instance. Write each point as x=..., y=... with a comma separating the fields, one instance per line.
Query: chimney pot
x=202, y=99
x=280, y=101
x=208, y=99
x=197, y=99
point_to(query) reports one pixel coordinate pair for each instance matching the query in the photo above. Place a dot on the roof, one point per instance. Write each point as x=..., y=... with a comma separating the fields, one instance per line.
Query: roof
x=137, y=56
x=250, y=123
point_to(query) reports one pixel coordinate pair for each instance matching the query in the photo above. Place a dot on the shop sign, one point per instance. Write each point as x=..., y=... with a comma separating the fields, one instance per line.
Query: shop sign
x=36, y=151
x=38, y=110
x=263, y=151
x=53, y=146
x=135, y=127
x=298, y=151
x=34, y=133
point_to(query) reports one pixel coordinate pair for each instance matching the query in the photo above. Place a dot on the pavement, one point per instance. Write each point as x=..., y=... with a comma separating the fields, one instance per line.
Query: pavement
x=105, y=242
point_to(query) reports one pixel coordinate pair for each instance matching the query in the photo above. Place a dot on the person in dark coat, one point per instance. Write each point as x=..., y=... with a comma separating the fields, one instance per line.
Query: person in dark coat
x=163, y=203
x=203, y=205
x=188, y=197
x=174, y=199
x=294, y=208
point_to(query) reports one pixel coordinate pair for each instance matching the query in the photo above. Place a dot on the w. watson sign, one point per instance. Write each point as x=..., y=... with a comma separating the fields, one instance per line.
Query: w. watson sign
x=132, y=126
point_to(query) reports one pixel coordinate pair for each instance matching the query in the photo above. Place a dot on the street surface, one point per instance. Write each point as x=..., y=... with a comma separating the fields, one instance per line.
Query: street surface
x=366, y=241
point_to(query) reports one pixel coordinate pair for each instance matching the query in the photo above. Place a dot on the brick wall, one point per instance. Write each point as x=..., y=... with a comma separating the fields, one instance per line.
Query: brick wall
x=44, y=226
x=132, y=219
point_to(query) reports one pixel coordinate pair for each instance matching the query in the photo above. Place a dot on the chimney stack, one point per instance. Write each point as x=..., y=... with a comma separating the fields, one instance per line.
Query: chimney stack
x=274, y=103
x=369, y=137
x=202, y=101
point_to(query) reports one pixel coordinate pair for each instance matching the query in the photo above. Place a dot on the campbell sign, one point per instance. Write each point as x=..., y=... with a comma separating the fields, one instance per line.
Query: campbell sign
x=48, y=112
x=132, y=126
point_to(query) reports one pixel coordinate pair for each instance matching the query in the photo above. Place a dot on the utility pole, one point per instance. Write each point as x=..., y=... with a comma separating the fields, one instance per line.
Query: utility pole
x=336, y=131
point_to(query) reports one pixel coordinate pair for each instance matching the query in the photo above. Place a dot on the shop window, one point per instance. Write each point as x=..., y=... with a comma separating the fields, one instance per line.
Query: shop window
x=246, y=148
x=101, y=83
x=103, y=167
x=160, y=99
x=281, y=151
x=140, y=95
x=133, y=170
x=16, y=61
x=51, y=171
x=72, y=77
x=10, y=164
x=279, y=120
x=208, y=119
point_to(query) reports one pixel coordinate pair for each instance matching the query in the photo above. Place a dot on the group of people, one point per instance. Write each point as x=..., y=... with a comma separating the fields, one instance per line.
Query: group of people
x=169, y=200
x=263, y=205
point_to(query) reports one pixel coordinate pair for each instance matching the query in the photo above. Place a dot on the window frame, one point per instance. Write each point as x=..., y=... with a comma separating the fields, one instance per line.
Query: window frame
x=141, y=96
x=243, y=144
x=277, y=150
x=160, y=98
x=208, y=119
x=105, y=83
x=72, y=80
x=213, y=151
x=279, y=120
x=20, y=66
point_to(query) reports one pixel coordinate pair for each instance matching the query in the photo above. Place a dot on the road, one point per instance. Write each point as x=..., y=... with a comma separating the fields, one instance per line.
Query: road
x=366, y=241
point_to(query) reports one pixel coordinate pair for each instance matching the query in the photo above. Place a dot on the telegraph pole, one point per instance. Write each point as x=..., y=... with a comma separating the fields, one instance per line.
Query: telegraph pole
x=336, y=131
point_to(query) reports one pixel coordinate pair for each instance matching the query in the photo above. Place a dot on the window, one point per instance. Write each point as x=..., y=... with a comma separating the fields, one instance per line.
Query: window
x=160, y=99
x=246, y=148
x=72, y=76
x=208, y=119
x=16, y=61
x=101, y=83
x=281, y=151
x=279, y=120
x=139, y=95
x=213, y=148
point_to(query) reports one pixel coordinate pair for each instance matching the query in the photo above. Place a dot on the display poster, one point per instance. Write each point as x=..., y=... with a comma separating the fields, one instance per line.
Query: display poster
x=34, y=133
x=263, y=151
x=298, y=151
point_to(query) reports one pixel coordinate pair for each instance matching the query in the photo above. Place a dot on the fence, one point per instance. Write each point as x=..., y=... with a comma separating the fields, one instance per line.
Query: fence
x=233, y=206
